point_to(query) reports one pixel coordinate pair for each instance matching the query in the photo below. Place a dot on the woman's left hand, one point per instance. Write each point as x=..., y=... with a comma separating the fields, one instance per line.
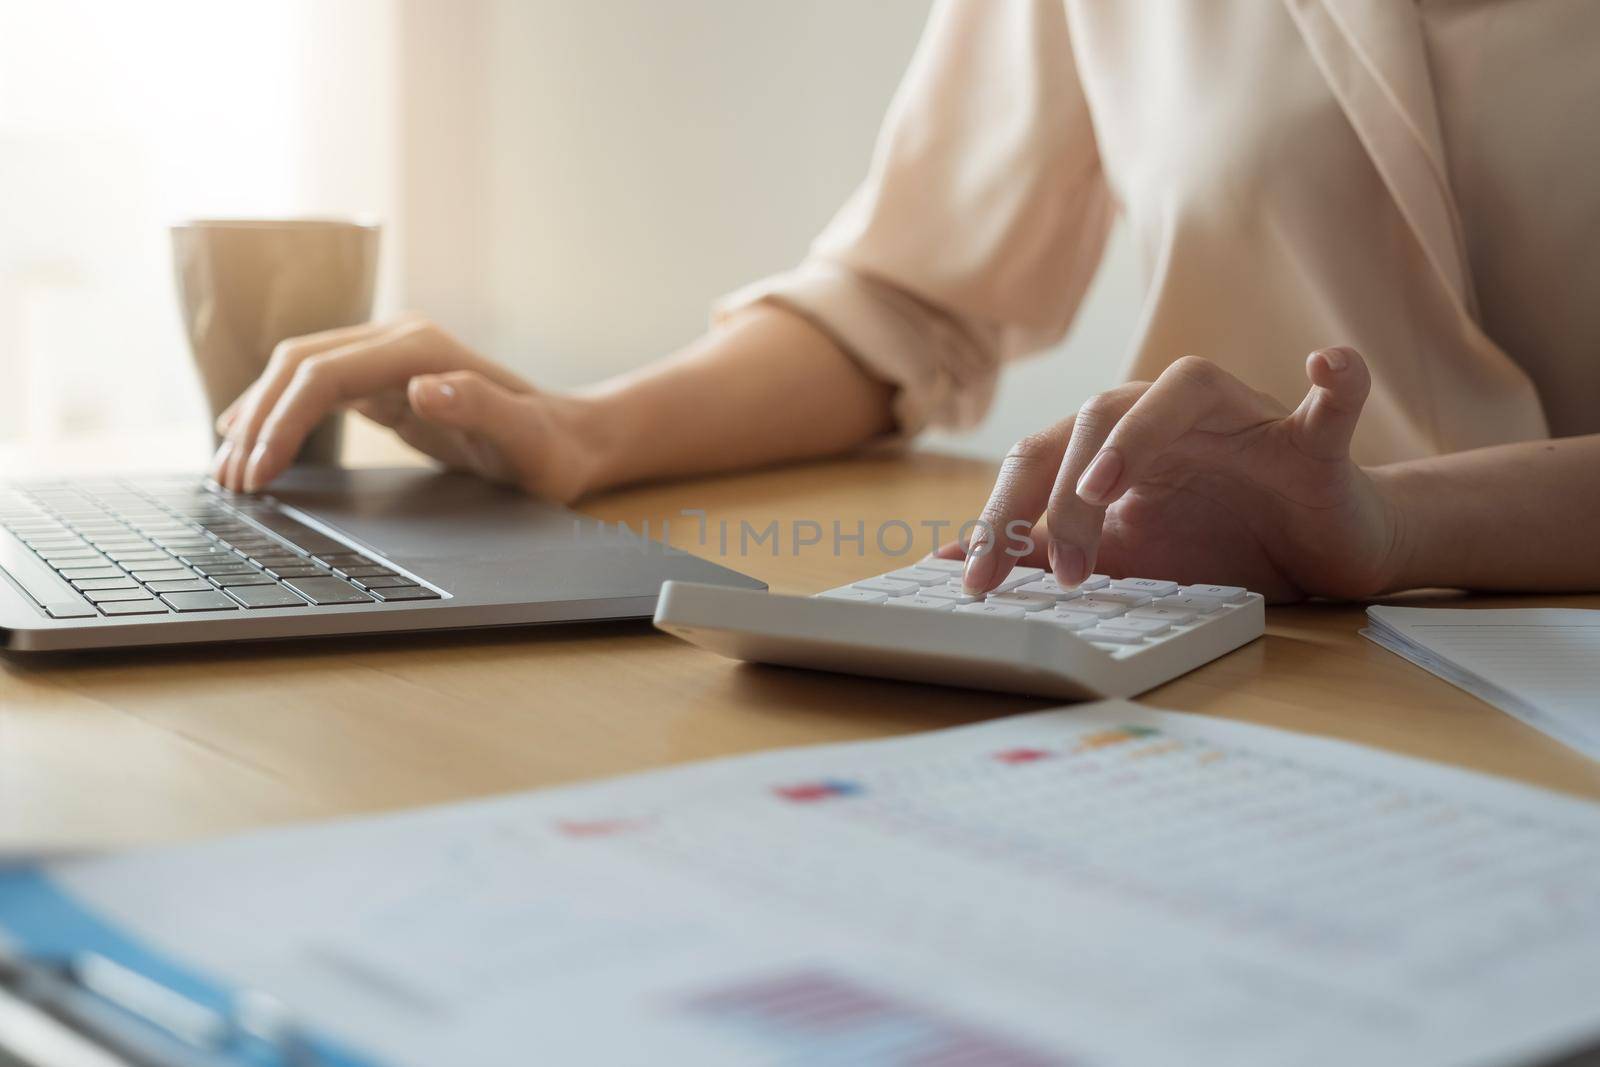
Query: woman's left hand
x=1199, y=479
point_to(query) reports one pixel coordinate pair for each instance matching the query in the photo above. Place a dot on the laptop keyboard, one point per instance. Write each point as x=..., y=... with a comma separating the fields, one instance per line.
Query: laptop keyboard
x=157, y=548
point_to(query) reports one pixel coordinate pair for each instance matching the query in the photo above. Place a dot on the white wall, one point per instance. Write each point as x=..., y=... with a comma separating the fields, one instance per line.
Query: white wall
x=580, y=179
x=118, y=119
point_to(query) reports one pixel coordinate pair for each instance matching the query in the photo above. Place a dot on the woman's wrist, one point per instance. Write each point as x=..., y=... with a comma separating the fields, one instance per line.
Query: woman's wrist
x=586, y=440
x=1401, y=501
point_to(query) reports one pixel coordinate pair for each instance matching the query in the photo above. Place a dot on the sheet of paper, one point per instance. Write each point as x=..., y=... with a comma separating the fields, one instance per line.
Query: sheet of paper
x=1541, y=665
x=1106, y=884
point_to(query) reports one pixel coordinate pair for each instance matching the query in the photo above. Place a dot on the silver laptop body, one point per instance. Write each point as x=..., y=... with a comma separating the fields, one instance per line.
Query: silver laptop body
x=126, y=561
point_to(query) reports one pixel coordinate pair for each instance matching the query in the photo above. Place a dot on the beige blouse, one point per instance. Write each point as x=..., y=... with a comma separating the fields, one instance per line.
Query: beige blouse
x=1418, y=180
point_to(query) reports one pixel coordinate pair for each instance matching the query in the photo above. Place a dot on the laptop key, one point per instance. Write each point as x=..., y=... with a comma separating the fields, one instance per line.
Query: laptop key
x=142, y=559
x=85, y=584
x=228, y=581
x=209, y=601
x=328, y=591
x=296, y=570
x=234, y=566
x=163, y=574
x=215, y=555
x=384, y=581
x=405, y=592
x=57, y=555
x=370, y=570
x=276, y=557
x=342, y=558
x=72, y=574
x=265, y=596
x=192, y=585
x=106, y=596
x=134, y=607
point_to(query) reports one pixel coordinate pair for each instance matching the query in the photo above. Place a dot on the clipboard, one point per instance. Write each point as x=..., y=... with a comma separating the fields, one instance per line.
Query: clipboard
x=79, y=992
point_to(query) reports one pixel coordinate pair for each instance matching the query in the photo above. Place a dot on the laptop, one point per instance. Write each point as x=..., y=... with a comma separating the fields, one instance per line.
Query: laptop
x=127, y=561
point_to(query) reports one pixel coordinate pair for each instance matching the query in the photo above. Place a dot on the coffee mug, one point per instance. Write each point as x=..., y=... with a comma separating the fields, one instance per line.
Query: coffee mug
x=246, y=284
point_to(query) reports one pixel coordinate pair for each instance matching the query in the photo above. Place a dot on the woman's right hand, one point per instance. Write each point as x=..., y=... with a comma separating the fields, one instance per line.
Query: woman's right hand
x=438, y=395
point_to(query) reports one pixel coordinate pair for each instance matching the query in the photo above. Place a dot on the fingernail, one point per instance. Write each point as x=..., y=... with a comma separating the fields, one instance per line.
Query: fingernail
x=1101, y=477
x=980, y=565
x=1067, y=563
x=439, y=392
x=1334, y=359
x=252, y=469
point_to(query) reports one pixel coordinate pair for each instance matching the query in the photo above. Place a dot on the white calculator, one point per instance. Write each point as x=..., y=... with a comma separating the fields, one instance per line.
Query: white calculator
x=1108, y=637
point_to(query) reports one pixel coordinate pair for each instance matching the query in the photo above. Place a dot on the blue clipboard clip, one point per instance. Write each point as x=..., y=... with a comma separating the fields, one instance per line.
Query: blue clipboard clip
x=87, y=1008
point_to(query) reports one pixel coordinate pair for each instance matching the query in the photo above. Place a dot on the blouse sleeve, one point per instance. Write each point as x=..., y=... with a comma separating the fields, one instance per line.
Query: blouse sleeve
x=979, y=225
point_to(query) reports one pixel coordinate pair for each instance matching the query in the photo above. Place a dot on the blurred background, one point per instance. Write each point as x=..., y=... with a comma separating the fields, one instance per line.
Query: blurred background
x=567, y=184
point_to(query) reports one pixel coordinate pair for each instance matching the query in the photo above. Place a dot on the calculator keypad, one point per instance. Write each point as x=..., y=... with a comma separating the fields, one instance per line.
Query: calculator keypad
x=1119, y=614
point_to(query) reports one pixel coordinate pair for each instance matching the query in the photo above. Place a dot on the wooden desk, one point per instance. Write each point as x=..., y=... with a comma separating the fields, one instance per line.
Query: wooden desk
x=143, y=746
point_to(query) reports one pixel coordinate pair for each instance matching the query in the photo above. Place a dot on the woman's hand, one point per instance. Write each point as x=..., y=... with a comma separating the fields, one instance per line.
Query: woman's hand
x=1198, y=478
x=438, y=395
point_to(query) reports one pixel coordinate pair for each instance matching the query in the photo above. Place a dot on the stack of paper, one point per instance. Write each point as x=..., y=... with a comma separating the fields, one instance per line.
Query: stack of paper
x=1100, y=885
x=1540, y=664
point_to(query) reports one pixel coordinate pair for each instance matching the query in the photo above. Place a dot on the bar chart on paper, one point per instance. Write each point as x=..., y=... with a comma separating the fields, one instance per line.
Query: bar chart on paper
x=1107, y=884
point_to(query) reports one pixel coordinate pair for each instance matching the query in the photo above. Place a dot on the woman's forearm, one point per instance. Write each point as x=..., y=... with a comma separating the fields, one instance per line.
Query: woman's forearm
x=1524, y=516
x=765, y=388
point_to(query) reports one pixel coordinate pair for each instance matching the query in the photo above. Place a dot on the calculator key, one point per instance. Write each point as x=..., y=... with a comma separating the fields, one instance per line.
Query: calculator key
x=945, y=566
x=1133, y=624
x=1112, y=637
x=134, y=607
x=1066, y=620
x=1025, y=601
x=919, y=575
x=1175, y=616
x=953, y=593
x=1126, y=597
x=265, y=596
x=106, y=596
x=192, y=585
x=1151, y=586
x=858, y=596
x=1094, y=609
x=414, y=592
x=925, y=603
x=84, y=584
x=1228, y=594
x=328, y=591
x=1200, y=605
x=1048, y=586
x=208, y=601
x=1093, y=582
x=382, y=581
x=1019, y=576
x=889, y=587
x=993, y=611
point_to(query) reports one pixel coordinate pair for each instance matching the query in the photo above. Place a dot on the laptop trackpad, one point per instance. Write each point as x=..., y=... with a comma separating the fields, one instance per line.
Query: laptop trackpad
x=422, y=514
